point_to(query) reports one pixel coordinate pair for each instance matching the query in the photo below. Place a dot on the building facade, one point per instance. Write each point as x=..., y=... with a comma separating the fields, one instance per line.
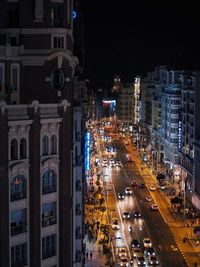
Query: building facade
x=41, y=219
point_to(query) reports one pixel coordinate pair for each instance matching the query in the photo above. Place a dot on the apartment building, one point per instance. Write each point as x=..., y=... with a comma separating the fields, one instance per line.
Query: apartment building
x=41, y=219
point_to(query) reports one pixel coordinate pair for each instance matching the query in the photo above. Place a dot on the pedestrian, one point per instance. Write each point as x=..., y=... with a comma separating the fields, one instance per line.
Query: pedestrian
x=90, y=255
x=87, y=254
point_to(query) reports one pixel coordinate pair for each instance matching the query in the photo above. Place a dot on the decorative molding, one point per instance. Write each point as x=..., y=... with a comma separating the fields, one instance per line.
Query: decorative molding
x=3, y=106
x=65, y=104
x=35, y=104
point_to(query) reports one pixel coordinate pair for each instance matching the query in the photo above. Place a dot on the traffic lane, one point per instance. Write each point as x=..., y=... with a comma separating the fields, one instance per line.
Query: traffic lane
x=117, y=236
x=160, y=233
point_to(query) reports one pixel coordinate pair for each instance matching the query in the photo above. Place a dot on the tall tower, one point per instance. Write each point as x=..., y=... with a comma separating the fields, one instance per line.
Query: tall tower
x=36, y=112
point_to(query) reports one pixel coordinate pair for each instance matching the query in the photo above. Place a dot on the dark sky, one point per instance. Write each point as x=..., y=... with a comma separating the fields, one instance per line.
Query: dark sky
x=131, y=37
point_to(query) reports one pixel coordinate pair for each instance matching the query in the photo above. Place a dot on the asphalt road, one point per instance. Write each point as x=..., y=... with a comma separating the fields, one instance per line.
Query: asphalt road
x=151, y=224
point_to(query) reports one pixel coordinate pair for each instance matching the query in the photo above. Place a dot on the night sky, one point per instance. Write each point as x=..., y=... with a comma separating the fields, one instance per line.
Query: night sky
x=131, y=37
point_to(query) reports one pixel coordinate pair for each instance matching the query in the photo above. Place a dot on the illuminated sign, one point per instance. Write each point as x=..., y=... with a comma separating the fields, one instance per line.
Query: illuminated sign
x=179, y=135
x=74, y=14
x=87, y=151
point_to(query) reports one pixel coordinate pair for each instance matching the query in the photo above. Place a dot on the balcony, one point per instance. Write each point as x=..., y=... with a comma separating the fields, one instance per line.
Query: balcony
x=48, y=189
x=18, y=228
x=14, y=196
x=48, y=221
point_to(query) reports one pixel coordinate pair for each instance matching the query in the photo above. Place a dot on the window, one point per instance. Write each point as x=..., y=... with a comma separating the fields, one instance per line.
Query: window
x=78, y=232
x=78, y=209
x=1, y=77
x=53, y=144
x=14, y=150
x=14, y=77
x=48, y=214
x=23, y=148
x=19, y=255
x=48, y=182
x=18, y=223
x=18, y=188
x=58, y=42
x=57, y=79
x=45, y=145
x=57, y=16
x=14, y=18
x=48, y=246
x=13, y=40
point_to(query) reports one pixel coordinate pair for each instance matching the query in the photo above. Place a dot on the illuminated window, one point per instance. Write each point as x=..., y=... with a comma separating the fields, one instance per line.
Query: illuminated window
x=18, y=188
x=1, y=77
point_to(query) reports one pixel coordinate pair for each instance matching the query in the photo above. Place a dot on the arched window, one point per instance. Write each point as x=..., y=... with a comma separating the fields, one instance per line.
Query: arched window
x=14, y=149
x=23, y=148
x=53, y=144
x=18, y=188
x=45, y=145
x=48, y=182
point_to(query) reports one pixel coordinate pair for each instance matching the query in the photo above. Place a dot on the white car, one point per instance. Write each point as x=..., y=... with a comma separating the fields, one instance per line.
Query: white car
x=115, y=224
x=128, y=191
x=148, y=198
x=152, y=187
x=154, y=207
x=147, y=242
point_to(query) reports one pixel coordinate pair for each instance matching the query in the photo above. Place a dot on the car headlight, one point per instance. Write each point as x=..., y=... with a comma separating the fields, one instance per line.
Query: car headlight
x=156, y=262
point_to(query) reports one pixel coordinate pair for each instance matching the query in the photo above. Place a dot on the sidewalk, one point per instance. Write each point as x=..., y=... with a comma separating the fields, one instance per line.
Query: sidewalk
x=95, y=225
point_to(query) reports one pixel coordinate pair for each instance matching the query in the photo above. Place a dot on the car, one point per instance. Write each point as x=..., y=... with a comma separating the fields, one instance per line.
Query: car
x=128, y=191
x=134, y=183
x=140, y=261
x=126, y=215
x=115, y=224
x=120, y=195
x=142, y=185
x=154, y=207
x=137, y=252
x=129, y=158
x=150, y=251
x=137, y=214
x=147, y=242
x=118, y=163
x=148, y=198
x=105, y=163
x=152, y=187
x=122, y=252
x=152, y=260
x=135, y=243
x=124, y=262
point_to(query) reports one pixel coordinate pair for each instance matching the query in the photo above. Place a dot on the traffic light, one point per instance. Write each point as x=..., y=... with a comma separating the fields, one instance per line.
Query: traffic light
x=184, y=239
